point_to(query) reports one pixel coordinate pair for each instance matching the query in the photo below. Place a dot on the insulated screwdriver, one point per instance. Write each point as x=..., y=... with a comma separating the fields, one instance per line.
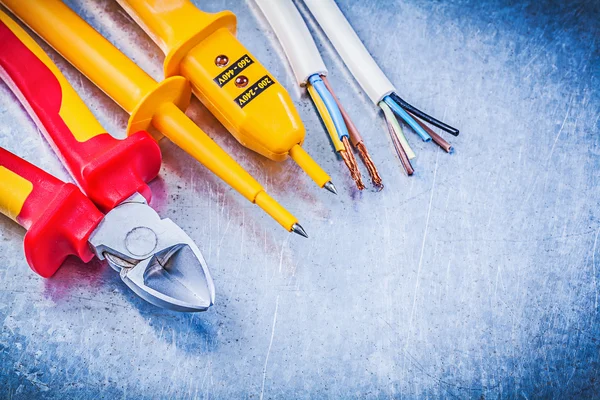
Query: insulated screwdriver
x=150, y=104
x=227, y=79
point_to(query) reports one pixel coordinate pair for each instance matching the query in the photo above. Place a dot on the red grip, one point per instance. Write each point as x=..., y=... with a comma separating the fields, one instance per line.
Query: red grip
x=107, y=169
x=59, y=218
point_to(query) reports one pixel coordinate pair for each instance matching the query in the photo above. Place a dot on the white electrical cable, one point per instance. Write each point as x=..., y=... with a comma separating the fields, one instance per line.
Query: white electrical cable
x=349, y=46
x=295, y=38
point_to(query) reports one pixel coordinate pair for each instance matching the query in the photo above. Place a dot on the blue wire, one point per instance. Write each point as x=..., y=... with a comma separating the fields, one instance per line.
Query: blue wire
x=407, y=118
x=336, y=115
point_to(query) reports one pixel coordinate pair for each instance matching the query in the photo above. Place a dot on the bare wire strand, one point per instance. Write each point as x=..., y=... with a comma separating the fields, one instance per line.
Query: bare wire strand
x=356, y=138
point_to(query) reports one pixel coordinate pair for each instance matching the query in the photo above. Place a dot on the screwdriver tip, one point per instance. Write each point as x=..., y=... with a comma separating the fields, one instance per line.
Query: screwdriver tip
x=329, y=186
x=297, y=228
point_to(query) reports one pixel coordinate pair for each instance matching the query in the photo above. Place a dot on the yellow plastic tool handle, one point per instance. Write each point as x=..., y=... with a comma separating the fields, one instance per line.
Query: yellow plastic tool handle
x=42, y=84
x=59, y=219
x=108, y=170
x=119, y=77
x=150, y=104
x=14, y=191
x=243, y=95
x=165, y=21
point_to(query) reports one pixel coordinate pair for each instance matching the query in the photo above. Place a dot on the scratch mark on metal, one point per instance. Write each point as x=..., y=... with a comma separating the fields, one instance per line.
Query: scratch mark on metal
x=412, y=313
x=262, y=390
x=594, y=270
x=283, y=246
x=560, y=130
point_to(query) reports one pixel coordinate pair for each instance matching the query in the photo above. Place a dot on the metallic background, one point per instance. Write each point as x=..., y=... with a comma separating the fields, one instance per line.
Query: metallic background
x=477, y=277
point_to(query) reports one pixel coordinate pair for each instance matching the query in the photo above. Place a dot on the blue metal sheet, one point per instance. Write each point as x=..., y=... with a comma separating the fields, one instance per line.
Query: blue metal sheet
x=477, y=277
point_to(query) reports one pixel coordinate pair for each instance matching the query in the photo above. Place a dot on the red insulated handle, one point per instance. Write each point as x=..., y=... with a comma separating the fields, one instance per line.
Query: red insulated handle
x=107, y=169
x=59, y=218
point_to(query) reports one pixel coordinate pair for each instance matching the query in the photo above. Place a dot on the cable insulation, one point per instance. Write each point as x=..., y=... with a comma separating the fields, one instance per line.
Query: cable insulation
x=399, y=149
x=399, y=111
x=447, y=147
x=414, y=110
x=335, y=140
x=349, y=46
x=295, y=38
x=356, y=138
x=334, y=111
x=389, y=116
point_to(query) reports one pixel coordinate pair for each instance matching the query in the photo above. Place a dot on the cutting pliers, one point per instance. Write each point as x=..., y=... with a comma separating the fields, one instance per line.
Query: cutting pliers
x=154, y=257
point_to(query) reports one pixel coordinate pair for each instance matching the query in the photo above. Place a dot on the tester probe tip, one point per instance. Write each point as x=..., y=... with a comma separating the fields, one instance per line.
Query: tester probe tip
x=331, y=187
x=297, y=228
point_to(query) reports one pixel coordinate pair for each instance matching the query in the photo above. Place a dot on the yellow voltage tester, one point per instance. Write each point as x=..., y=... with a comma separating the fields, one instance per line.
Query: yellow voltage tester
x=227, y=78
x=150, y=104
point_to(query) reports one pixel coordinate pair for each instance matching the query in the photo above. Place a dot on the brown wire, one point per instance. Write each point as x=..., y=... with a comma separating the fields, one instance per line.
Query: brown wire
x=354, y=134
x=351, y=157
x=434, y=136
x=356, y=138
x=350, y=162
x=400, y=150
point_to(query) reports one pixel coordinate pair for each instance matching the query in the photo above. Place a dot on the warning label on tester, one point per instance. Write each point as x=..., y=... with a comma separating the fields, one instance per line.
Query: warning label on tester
x=263, y=84
x=233, y=71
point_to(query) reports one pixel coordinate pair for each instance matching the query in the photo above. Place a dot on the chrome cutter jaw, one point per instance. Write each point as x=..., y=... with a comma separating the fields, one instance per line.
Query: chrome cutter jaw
x=154, y=257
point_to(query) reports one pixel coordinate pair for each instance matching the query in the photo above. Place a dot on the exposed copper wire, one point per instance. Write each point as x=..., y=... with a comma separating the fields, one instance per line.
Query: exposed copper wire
x=351, y=157
x=342, y=146
x=399, y=149
x=358, y=180
x=350, y=162
x=434, y=136
x=356, y=138
x=364, y=154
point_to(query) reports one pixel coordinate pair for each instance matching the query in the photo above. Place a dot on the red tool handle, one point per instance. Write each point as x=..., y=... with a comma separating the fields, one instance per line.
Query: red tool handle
x=59, y=218
x=108, y=170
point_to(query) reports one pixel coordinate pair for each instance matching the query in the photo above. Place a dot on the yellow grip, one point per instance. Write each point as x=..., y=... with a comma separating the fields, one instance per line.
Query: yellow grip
x=72, y=110
x=14, y=191
x=89, y=52
x=225, y=76
x=274, y=209
x=310, y=166
x=172, y=23
x=238, y=89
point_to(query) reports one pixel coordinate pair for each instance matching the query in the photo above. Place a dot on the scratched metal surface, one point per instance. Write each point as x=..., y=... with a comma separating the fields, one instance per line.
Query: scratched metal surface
x=477, y=277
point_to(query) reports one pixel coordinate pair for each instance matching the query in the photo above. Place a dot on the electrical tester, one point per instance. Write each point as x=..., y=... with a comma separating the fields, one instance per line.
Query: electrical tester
x=227, y=78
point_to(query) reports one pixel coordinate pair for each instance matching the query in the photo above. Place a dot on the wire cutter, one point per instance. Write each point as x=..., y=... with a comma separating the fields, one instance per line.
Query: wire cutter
x=154, y=256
